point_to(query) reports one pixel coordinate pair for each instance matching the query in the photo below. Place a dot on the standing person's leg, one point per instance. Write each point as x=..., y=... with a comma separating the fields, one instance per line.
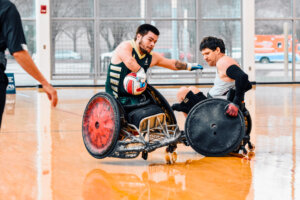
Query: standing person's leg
x=3, y=86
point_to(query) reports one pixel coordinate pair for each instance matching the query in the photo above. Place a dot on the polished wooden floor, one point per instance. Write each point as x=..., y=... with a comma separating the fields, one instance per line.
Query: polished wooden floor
x=42, y=154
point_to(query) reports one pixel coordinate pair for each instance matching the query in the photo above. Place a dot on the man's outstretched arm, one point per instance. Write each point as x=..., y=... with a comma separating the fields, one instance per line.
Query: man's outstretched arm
x=159, y=60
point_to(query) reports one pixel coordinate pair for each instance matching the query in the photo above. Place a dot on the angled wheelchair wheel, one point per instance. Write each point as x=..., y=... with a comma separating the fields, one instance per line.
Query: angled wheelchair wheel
x=101, y=125
x=210, y=131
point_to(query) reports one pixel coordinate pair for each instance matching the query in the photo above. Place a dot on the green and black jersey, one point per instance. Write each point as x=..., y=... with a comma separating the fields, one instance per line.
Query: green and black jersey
x=117, y=72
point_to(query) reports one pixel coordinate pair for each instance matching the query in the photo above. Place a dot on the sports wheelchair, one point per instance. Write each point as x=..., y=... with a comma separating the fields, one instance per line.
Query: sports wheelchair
x=110, y=129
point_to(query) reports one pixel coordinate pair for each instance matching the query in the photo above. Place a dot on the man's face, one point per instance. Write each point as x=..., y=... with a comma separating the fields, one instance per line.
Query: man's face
x=147, y=42
x=210, y=56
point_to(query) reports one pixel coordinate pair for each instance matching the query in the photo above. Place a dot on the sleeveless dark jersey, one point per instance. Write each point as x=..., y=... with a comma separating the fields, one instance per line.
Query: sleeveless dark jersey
x=117, y=72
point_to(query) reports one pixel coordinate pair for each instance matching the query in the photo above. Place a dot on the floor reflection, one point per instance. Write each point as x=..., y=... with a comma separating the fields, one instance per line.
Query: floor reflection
x=206, y=178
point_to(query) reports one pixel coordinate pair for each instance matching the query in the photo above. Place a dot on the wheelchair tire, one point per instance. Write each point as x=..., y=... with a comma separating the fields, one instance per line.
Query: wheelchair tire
x=210, y=131
x=248, y=122
x=101, y=125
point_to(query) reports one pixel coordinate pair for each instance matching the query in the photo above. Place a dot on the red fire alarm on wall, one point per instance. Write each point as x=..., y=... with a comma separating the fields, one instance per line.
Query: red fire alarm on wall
x=43, y=9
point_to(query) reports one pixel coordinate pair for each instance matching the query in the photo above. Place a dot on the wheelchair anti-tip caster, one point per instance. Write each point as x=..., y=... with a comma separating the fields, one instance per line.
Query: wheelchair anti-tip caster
x=145, y=155
x=171, y=157
x=251, y=146
x=171, y=154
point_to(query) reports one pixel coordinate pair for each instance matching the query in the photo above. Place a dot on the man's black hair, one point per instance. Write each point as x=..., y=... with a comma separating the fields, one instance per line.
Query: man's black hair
x=144, y=29
x=212, y=43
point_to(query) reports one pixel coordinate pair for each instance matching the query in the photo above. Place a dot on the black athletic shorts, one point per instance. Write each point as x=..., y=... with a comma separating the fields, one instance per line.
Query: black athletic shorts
x=192, y=99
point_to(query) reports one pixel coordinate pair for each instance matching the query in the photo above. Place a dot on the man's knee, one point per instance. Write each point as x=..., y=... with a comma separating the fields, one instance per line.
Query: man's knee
x=194, y=89
x=182, y=93
x=188, y=101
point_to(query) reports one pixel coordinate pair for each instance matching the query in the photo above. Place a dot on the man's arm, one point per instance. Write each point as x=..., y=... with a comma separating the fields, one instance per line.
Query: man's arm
x=159, y=60
x=123, y=53
x=26, y=62
x=242, y=83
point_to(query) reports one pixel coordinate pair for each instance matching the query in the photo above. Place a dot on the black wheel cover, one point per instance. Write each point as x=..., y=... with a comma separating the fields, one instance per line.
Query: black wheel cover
x=210, y=131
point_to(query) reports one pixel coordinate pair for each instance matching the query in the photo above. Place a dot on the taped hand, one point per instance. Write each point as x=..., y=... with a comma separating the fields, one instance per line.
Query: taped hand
x=193, y=66
x=141, y=76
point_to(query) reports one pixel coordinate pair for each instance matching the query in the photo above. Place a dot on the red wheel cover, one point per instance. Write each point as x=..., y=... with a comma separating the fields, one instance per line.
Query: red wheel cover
x=99, y=125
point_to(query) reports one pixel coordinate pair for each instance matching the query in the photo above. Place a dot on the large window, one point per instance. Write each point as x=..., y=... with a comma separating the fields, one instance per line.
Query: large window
x=93, y=35
x=73, y=39
x=221, y=19
x=273, y=9
x=276, y=41
x=220, y=9
x=173, y=9
x=120, y=9
x=297, y=50
x=229, y=31
x=85, y=33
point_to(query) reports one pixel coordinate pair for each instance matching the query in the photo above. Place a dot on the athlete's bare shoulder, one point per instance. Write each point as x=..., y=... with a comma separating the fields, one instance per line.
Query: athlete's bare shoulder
x=225, y=62
x=123, y=50
x=124, y=46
